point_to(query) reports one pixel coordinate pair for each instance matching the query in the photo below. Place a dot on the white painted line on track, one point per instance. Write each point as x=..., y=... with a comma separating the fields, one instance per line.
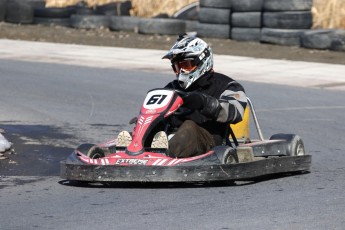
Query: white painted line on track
x=292, y=73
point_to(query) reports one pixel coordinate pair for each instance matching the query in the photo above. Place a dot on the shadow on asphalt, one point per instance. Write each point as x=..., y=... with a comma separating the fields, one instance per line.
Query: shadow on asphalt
x=164, y=185
x=38, y=150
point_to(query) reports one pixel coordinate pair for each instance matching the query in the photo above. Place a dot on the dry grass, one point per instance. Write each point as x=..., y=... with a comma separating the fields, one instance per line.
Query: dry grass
x=141, y=8
x=329, y=14
x=64, y=3
x=61, y=3
x=149, y=8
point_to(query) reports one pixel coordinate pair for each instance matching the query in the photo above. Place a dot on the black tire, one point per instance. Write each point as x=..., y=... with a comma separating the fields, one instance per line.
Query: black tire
x=110, y=9
x=282, y=36
x=191, y=26
x=42, y=12
x=189, y=12
x=324, y=39
x=338, y=40
x=20, y=12
x=125, y=8
x=114, y=8
x=38, y=4
x=64, y=22
x=2, y=9
x=246, y=34
x=84, y=148
x=226, y=154
x=95, y=152
x=287, y=5
x=162, y=26
x=288, y=20
x=162, y=15
x=246, y=19
x=124, y=23
x=247, y=5
x=214, y=16
x=213, y=30
x=295, y=145
x=89, y=21
x=84, y=10
x=224, y=4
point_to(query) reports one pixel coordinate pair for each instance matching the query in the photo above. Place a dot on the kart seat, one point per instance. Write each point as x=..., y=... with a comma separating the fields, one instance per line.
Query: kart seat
x=241, y=129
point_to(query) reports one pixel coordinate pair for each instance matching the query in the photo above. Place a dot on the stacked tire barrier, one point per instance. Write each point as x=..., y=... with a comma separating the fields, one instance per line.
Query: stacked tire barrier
x=165, y=26
x=52, y=16
x=280, y=22
x=246, y=20
x=214, y=18
x=284, y=22
x=20, y=12
x=79, y=16
x=88, y=18
x=324, y=39
x=124, y=23
x=2, y=10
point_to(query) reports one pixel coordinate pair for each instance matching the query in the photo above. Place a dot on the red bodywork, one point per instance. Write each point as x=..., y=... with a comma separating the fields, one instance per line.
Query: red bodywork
x=158, y=104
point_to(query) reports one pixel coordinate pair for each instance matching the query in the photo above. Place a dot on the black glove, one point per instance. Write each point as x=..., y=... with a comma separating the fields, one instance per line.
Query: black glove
x=207, y=105
x=193, y=101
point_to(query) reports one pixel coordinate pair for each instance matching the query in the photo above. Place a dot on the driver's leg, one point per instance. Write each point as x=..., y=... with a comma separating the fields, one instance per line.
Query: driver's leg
x=190, y=140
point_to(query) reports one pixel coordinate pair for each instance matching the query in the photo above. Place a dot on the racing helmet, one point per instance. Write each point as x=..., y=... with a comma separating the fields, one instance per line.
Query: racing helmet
x=191, y=58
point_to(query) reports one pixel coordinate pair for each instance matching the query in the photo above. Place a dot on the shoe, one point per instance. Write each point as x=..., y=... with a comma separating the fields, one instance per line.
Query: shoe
x=160, y=140
x=123, y=139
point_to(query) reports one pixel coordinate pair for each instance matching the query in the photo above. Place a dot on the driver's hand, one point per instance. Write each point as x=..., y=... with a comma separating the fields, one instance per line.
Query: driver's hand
x=194, y=100
x=207, y=105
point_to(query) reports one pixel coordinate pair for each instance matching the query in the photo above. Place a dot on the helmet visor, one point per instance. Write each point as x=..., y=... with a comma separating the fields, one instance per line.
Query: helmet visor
x=185, y=66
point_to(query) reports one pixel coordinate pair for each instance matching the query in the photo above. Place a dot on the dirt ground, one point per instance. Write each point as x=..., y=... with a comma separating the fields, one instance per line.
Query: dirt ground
x=105, y=37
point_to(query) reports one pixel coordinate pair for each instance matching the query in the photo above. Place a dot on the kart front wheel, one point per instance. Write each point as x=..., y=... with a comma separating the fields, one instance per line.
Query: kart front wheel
x=231, y=157
x=226, y=154
x=95, y=152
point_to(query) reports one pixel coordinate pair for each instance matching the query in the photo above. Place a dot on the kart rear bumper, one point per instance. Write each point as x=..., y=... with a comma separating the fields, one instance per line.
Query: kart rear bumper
x=73, y=169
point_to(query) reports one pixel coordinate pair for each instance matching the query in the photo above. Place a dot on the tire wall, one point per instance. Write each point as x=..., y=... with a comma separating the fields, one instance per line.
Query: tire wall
x=2, y=10
x=283, y=22
x=246, y=20
x=214, y=19
x=270, y=21
x=78, y=16
x=280, y=22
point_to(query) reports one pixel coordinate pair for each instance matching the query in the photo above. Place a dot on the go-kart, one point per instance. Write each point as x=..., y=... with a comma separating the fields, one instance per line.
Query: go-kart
x=239, y=158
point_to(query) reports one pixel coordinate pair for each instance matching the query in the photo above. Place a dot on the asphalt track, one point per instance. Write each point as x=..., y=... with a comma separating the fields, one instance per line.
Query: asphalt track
x=49, y=105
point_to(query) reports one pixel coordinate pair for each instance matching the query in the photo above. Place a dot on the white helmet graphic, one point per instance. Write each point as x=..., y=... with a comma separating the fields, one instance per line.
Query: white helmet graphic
x=191, y=58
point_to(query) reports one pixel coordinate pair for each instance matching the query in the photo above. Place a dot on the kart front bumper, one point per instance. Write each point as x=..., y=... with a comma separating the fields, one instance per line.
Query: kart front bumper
x=74, y=170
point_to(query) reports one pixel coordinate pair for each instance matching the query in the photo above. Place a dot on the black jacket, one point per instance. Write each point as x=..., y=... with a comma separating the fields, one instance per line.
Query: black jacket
x=232, y=102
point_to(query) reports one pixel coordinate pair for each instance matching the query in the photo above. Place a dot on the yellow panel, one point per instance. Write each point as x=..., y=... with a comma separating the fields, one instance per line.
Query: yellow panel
x=241, y=129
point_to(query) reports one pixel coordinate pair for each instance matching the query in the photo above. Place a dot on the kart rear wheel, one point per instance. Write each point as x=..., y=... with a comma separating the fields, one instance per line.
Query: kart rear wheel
x=295, y=145
x=95, y=152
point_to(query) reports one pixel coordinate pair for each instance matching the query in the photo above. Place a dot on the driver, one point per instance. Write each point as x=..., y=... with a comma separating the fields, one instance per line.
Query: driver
x=212, y=101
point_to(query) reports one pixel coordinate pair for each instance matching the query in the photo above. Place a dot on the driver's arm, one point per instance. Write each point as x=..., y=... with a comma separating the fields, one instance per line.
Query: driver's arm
x=233, y=101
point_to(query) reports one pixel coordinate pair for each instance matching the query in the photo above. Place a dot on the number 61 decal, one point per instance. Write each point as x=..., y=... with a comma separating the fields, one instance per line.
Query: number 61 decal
x=156, y=99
